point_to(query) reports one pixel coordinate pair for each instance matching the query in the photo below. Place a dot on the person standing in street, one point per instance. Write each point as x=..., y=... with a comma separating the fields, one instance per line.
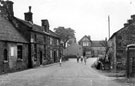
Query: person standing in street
x=60, y=61
x=77, y=57
x=81, y=59
x=85, y=59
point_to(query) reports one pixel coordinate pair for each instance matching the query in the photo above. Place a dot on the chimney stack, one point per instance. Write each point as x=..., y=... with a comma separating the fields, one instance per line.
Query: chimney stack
x=28, y=15
x=7, y=8
x=126, y=24
x=45, y=25
x=130, y=21
x=133, y=17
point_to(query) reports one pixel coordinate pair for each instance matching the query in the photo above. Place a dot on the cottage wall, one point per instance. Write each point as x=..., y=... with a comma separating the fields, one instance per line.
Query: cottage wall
x=13, y=63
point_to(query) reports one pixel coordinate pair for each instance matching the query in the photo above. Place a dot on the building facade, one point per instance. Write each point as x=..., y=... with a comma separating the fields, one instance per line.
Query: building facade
x=118, y=43
x=86, y=43
x=97, y=48
x=23, y=43
x=92, y=48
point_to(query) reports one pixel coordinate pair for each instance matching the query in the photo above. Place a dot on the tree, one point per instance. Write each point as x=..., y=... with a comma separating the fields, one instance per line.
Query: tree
x=71, y=41
x=65, y=34
x=105, y=44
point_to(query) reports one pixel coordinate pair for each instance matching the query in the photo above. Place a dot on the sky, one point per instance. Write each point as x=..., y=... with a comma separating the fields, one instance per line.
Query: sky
x=86, y=17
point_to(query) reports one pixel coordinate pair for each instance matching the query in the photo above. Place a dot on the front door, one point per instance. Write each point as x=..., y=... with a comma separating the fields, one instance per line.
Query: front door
x=41, y=60
x=131, y=63
x=54, y=56
x=5, y=61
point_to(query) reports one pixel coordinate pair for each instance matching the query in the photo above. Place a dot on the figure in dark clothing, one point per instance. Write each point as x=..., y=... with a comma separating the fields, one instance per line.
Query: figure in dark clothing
x=81, y=59
x=85, y=58
x=77, y=58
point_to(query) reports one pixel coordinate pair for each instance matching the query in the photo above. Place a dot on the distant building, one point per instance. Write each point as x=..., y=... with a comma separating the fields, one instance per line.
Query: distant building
x=86, y=43
x=91, y=48
x=97, y=48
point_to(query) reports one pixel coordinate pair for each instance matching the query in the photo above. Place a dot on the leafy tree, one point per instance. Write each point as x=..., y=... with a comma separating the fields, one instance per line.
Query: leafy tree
x=105, y=44
x=65, y=34
x=70, y=41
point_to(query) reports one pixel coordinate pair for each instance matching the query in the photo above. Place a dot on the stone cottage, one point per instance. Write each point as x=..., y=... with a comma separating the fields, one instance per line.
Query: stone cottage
x=118, y=42
x=13, y=46
x=23, y=43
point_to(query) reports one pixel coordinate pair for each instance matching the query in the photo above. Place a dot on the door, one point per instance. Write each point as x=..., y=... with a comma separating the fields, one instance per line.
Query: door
x=41, y=58
x=5, y=61
x=54, y=56
x=131, y=63
x=30, y=63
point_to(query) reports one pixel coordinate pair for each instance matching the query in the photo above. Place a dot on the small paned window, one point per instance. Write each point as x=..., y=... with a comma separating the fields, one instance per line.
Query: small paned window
x=19, y=51
x=51, y=53
x=51, y=41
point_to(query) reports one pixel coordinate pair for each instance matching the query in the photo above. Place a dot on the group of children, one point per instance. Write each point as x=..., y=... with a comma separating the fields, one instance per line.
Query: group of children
x=82, y=58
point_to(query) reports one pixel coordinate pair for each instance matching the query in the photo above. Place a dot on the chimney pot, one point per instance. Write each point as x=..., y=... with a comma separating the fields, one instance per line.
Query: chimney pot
x=29, y=8
x=130, y=21
x=126, y=24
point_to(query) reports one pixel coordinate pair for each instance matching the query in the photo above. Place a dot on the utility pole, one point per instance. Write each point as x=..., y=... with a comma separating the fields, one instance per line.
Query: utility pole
x=108, y=26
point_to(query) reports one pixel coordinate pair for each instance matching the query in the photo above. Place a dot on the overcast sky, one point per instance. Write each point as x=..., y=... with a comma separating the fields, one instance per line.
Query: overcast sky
x=86, y=17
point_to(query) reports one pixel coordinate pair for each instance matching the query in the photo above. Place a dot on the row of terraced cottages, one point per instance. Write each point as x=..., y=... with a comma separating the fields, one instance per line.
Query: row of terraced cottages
x=24, y=44
x=118, y=42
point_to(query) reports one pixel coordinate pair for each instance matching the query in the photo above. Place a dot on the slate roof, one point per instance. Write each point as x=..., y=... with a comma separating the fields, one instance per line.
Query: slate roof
x=54, y=34
x=38, y=28
x=9, y=33
x=96, y=44
x=84, y=37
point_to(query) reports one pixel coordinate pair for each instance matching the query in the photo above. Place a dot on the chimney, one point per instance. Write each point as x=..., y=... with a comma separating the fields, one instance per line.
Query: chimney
x=130, y=21
x=28, y=15
x=89, y=37
x=133, y=17
x=45, y=25
x=7, y=8
x=10, y=7
x=126, y=24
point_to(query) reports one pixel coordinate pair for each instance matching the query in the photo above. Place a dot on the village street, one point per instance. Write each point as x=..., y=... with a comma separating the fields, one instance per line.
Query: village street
x=70, y=73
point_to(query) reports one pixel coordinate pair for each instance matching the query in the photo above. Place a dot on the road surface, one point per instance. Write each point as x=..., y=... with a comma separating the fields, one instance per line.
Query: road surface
x=70, y=73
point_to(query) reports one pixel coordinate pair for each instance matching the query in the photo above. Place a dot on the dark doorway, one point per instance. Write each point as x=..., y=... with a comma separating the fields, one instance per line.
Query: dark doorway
x=41, y=58
x=30, y=63
x=5, y=61
x=54, y=56
x=5, y=54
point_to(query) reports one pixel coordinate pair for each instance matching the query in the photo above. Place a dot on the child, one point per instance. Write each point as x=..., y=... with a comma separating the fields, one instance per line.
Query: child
x=81, y=59
x=60, y=61
x=85, y=59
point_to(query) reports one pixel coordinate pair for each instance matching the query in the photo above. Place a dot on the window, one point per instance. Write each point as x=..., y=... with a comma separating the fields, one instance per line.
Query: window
x=35, y=37
x=19, y=51
x=51, y=53
x=12, y=49
x=5, y=54
x=85, y=43
x=45, y=39
x=51, y=41
x=57, y=53
x=57, y=42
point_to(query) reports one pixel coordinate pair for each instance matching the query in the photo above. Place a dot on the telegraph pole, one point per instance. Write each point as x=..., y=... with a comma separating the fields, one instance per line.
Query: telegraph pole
x=108, y=26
